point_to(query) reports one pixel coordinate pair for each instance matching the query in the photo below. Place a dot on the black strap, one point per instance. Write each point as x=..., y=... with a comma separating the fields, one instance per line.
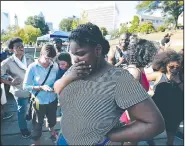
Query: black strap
x=45, y=79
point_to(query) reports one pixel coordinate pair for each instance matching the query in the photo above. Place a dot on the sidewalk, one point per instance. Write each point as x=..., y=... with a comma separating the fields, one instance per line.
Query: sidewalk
x=10, y=133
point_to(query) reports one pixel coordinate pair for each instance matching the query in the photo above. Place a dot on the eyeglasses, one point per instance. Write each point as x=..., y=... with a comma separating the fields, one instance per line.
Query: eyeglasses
x=18, y=46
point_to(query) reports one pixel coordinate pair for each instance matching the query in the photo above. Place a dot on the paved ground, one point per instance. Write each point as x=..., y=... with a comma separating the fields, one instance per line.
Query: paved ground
x=10, y=133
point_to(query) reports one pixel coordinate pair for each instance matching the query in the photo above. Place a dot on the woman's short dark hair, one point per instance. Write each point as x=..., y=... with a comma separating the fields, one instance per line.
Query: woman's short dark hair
x=48, y=50
x=141, y=52
x=162, y=59
x=89, y=34
x=12, y=41
x=64, y=56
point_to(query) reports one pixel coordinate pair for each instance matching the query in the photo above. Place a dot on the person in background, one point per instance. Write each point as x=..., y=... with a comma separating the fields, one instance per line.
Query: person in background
x=117, y=56
x=16, y=66
x=165, y=42
x=4, y=115
x=97, y=93
x=46, y=100
x=168, y=90
x=58, y=46
x=139, y=54
x=64, y=62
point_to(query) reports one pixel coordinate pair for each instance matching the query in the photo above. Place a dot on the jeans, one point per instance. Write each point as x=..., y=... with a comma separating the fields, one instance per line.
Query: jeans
x=62, y=141
x=22, y=104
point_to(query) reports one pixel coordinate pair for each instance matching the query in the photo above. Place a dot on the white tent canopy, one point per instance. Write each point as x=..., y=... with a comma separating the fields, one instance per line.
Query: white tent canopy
x=44, y=38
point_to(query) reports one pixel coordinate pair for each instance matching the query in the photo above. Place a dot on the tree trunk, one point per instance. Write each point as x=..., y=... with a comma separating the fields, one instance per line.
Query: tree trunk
x=176, y=23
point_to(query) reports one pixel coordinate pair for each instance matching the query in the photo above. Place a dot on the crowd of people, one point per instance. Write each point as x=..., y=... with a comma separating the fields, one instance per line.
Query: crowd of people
x=102, y=91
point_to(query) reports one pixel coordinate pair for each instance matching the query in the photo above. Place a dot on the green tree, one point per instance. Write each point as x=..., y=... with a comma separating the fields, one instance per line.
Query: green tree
x=134, y=25
x=75, y=23
x=83, y=18
x=104, y=31
x=123, y=28
x=38, y=22
x=31, y=33
x=6, y=35
x=146, y=27
x=66, y=24
x=27, y=34
x=169, y=8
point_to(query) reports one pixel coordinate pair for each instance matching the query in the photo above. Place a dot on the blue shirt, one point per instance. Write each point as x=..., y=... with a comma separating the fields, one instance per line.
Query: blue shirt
x=35, y=75
x=61, y=72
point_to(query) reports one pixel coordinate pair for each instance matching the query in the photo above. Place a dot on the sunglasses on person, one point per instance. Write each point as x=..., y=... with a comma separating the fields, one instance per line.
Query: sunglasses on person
x=172, y=67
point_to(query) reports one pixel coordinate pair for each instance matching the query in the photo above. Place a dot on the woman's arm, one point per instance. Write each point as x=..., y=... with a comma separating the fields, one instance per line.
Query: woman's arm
x=153, y=76
x=148, y=123
x=62, y=83
x=121, y=60
x=135, y=73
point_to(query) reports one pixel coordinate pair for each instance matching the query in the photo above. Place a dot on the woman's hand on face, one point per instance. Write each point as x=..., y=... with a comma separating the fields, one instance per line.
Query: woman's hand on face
x=78, y=70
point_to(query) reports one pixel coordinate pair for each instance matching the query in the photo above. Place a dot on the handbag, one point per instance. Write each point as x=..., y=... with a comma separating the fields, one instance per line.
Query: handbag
x=29, y=113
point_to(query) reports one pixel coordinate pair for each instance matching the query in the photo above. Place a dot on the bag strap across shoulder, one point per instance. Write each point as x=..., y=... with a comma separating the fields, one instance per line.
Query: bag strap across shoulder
x=45, y=79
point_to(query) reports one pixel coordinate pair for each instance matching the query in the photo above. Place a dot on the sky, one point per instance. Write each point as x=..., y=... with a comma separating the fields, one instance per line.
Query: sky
x=55, y=11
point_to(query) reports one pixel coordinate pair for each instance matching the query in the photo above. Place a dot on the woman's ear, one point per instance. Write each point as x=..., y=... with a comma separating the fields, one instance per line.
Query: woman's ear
x=98, y=50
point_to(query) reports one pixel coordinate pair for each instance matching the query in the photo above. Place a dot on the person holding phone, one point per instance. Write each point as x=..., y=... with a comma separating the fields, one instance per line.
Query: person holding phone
x=15, y=67
x=46, y=100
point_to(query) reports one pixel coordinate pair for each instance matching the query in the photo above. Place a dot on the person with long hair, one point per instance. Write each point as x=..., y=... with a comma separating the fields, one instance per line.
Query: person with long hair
x=168, y=90
x=97, y=93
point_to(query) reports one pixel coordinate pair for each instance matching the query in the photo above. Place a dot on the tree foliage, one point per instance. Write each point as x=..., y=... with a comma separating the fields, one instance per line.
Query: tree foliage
x=84, y=17
x=146, y=27
x=27, y=34
x=123, y=28
x=134, y=24
x=38, y=22
x=66, y=24
x=104, y=31
x=75, y=23
x=169, y=8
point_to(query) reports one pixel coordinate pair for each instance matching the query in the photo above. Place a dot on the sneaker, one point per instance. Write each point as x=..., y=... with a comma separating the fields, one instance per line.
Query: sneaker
x=7, y=115
x=25, y=133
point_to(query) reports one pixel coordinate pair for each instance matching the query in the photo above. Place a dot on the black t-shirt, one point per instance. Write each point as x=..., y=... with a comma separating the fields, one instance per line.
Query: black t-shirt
x=165, y=40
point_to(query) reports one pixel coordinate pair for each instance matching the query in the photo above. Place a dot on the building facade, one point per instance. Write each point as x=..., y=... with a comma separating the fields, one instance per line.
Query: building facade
x=156, y=21
x=16, y=20
x=5, y=21
x=104, y=16
x=50, y=25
